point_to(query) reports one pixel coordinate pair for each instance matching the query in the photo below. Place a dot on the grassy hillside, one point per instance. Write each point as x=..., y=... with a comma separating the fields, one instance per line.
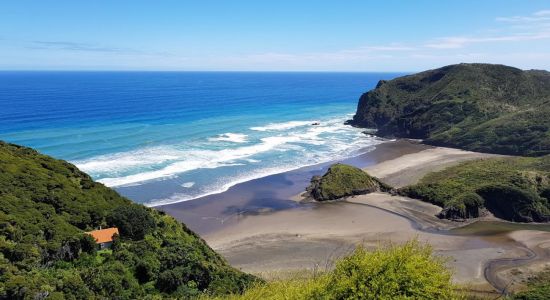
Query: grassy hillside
x=478, y=107
x=46, y=205
x=342, y=180
x=515, y=189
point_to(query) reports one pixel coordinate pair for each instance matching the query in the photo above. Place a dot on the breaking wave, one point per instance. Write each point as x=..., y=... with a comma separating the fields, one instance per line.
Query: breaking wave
x=274, y=148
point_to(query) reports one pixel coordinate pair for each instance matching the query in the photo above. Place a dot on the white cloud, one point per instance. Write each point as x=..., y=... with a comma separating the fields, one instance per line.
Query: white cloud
x=539, y=16
x=449, y=43
x=518, y=40
x=436, y=47
x=460, y=42
x=452, y=49
x=389, y=48
x=535, y=26
x=542, y=13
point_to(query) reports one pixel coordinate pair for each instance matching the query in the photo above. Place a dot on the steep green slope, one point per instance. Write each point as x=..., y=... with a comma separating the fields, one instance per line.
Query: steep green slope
x=46, y=205
x=478, y=107
x=343, y=180
x=512, y=188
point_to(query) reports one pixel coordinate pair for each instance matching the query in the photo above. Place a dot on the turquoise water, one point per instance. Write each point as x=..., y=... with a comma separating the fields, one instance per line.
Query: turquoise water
x=201, y=131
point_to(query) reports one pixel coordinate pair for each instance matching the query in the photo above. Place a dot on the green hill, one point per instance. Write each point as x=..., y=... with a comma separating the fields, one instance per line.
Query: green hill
x=512, y=188
x=342, y=180
x=46, y=205
x=478, y=107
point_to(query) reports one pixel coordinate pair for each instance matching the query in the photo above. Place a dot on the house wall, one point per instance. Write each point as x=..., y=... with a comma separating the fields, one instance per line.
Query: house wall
x=105, y=245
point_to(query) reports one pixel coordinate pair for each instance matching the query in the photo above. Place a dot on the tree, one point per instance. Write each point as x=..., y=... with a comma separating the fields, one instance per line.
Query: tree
x=88, y=244
x=147, y=269
x=133, y=221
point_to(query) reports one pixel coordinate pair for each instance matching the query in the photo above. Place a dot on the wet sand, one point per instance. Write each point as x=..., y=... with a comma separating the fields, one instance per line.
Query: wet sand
x=272, y=193
x=312, y=238
x=258, y=229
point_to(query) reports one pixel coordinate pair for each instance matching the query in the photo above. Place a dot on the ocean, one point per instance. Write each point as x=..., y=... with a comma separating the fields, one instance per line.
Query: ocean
x=184, y=134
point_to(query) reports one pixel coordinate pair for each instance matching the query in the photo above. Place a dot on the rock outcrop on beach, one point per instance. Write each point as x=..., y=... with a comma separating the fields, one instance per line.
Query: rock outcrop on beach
x=343, y=180
x=46, y=208
x=477, y=107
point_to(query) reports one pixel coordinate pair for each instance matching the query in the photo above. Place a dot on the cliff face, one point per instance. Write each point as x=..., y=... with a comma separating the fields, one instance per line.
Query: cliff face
x=479, y=107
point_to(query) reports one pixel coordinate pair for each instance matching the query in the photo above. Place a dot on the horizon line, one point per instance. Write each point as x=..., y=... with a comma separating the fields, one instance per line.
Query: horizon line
x=201, y=71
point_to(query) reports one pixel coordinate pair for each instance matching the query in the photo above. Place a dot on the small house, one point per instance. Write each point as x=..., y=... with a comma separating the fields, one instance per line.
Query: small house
x=104, y=237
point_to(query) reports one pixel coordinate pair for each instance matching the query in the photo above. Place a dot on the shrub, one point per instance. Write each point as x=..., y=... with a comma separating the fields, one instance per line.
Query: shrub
x=405, y=272
x=409, y=271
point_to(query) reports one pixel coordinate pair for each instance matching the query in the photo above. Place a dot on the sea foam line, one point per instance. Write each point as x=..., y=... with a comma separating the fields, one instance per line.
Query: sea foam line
x=230, y=137
x=181, y=197
x=204, y=159
x=343, y=150
x=166, y=162
x=282, y=126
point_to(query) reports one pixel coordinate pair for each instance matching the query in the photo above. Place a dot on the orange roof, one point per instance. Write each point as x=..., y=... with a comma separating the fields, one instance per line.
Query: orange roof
x=103, y=235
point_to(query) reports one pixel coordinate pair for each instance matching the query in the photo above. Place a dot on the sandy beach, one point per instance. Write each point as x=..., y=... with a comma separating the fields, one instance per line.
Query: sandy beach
x=409, y=168
x=296, y=236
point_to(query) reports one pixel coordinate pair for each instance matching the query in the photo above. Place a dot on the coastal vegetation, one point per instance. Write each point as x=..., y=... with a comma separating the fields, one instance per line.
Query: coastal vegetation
x=511, y=188
x=343, y=180
x=47, y=205
x=409, y=271
x=477, y=107
x=538, y=287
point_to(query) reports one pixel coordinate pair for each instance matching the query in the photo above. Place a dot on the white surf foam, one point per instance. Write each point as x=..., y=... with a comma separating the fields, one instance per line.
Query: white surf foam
x=225, y=184
x=309, y=145
x=282, y=126
x=190, y=160
x=126, y=160
x=188, y=184
x=252, y=161
x=346, y=143
x=230, y=137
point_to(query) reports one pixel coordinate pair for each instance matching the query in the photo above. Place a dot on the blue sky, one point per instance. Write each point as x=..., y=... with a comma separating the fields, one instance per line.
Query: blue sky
x=278, y=35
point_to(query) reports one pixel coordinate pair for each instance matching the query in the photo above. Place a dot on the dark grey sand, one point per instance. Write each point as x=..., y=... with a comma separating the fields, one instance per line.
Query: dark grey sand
x=272, y=193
